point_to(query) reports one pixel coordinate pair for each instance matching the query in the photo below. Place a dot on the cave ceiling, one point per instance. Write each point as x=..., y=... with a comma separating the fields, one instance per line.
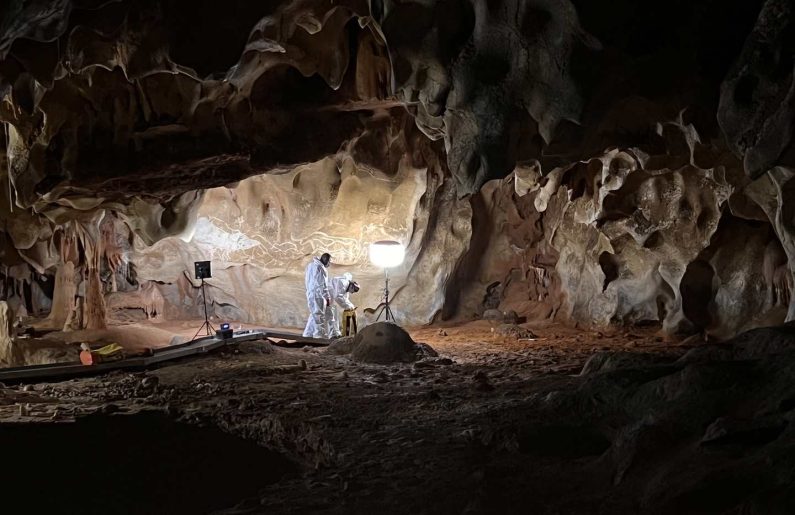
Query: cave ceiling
x=158, y=98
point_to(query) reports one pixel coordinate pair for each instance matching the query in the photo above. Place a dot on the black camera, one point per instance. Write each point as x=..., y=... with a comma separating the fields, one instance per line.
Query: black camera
x=202, y=269
x=225, y=332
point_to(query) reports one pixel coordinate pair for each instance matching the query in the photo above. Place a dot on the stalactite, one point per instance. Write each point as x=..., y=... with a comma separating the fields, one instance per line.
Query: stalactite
x=94, y=315
x=74, y=322
x=9, y=352
x=94, y=312
x=65, y=287
x=63, y=300
x=39, y=301
x=541, y=281
x=5, y=332
x=147, y=298
x=124, y=270
x=112, y=252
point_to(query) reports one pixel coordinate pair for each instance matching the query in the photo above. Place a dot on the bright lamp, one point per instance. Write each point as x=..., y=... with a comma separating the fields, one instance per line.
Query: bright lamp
x=387, y=254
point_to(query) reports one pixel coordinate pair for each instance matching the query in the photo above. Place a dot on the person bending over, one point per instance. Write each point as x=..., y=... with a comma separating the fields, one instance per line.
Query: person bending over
x=340, y=289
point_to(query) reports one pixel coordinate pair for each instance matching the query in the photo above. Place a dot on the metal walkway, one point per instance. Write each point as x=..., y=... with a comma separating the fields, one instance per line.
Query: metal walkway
x=60, y=371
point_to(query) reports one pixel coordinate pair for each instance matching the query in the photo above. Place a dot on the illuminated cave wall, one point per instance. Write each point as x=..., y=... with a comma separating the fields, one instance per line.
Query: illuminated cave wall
x=261, y=232
x=677, y=239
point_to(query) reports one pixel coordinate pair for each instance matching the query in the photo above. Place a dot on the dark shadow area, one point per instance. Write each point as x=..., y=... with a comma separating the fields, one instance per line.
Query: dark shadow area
x=135, y=464
x=471, y=261
x=696, y=289
x=609, y=265
x=563, y=442
x=754, y=436
x=209, y=37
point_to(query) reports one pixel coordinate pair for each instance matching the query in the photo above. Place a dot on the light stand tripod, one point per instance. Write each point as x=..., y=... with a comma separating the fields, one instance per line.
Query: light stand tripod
x=206, y=323
x=385, y=309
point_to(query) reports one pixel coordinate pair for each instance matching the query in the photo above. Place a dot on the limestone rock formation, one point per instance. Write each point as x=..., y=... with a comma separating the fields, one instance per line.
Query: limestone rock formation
x=147, y=299
x=629, y=237
x=589, y=163
x=757, y=108
x=559, y=159
x=9, y=353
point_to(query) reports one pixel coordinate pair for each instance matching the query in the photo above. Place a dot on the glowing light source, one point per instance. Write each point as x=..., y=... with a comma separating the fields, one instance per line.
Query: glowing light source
x=387, y=253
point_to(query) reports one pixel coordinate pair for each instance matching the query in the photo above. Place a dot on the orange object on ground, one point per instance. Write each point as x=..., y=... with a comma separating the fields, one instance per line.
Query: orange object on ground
x=107, y=353
x=86, y=357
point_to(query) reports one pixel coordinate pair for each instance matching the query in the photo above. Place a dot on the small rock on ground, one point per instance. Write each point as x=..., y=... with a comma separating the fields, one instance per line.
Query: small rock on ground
x=515, y=331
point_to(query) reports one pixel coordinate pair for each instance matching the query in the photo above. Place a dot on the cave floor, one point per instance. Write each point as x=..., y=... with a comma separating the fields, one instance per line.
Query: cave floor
x=446, y=435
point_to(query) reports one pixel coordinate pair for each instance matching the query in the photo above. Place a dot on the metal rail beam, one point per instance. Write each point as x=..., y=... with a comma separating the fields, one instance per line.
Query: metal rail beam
x=58, y=371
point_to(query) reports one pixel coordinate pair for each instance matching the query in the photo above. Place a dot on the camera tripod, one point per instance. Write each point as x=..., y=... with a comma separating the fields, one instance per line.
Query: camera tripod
x=206, y=323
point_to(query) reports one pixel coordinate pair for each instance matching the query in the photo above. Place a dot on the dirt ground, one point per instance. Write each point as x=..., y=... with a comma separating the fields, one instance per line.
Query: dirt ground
x=344, y=437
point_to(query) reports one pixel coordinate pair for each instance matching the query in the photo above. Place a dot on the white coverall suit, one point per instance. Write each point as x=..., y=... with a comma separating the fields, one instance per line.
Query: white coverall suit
x=340, y=296
x=317, y=292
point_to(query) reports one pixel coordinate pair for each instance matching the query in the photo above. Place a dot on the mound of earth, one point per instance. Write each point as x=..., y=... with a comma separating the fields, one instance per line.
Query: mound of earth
x=384, y=343
x=381, y=343
x=341, y=346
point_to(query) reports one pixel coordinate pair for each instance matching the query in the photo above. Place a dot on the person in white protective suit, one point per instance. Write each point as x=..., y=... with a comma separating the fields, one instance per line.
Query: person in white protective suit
x=318, y=297
x=340, y=288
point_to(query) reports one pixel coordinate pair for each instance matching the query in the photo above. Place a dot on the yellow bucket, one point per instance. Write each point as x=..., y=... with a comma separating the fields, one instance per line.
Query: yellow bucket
x=349, y=326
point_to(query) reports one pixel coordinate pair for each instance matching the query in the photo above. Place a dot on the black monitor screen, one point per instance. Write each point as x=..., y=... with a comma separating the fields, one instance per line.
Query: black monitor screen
x=202, y=269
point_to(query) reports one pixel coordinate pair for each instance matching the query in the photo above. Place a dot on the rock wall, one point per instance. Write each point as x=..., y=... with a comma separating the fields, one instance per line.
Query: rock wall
x=262, y=232
x=680, y=240
x=623, y=238
x=571, y=162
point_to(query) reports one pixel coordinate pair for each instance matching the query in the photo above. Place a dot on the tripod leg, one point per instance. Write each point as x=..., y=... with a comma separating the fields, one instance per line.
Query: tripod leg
x=204, y=301
x=206, y=324
x=197, y=332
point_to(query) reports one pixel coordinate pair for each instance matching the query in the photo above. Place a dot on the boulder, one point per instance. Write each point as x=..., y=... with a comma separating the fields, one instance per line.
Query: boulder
x=515, y=331
x=507, y=317
x=753, y=344
x=510, y=317
x=612, y=361
x=492, y=314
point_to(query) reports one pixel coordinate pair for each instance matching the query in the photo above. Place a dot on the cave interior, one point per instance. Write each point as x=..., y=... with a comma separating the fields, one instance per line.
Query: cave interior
x=595, y=202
